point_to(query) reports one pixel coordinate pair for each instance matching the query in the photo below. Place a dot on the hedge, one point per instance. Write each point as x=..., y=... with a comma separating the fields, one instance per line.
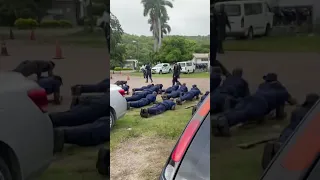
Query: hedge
x=122, y=69
x=25, y=23
x=32, y=23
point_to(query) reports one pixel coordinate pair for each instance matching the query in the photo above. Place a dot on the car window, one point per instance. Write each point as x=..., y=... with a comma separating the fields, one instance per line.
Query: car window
x=233, y=9
x=252, y=9
x=297, y=154
x=196, y=162
x=189, y=64
x=165, y=65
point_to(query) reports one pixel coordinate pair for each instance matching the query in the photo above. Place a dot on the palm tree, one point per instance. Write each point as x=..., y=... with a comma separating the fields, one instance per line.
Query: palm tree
x=165, y=27
x=156, y=9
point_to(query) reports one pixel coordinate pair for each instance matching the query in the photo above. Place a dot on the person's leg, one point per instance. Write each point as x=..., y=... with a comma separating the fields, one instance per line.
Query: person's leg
x=91, y=134
x=79, y=115
x=56, y=92
x=150, y=76
x=136, y=97
x=138, y=104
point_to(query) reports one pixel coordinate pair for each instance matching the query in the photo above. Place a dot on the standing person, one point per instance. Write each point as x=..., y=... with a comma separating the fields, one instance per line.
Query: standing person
x=144, y=71
x=223, y=21
x=214, y=43
x=148, y=73
x=176, y=73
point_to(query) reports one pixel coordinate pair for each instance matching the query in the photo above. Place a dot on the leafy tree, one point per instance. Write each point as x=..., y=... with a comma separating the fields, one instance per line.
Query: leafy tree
x=118, y=49
x=176, y=48
x=156, y=10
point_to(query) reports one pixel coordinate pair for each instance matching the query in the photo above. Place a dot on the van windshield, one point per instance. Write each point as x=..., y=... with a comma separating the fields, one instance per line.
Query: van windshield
x=232, y=9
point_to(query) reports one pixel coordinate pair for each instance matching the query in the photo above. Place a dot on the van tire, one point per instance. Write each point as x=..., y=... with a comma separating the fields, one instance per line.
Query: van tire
x=188, y=72
x=160, y=72
x=268, y=30
x=4, y=170
x=250, y=34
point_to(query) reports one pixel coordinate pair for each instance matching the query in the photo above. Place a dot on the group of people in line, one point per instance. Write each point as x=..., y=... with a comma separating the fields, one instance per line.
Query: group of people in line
x=174, y=95
x=87, y=122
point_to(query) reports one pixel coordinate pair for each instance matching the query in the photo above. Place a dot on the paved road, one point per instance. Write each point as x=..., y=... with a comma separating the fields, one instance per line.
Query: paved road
x=299, y=72
x=81, y=65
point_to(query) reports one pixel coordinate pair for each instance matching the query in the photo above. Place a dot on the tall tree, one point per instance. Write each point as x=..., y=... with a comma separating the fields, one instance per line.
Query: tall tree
x=165, y=27
x=156, y=9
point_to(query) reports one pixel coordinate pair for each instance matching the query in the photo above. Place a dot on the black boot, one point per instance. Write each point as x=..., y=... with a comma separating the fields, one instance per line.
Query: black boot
x=103, y=162
x=58, y=140
x=144, y=113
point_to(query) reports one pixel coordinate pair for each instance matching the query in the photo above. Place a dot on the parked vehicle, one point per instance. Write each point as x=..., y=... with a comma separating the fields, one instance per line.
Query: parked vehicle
x=298, y=158
x=162, y=68
x=118, y=104
x=26, y=132
x=190, y=158
x=187, y=67
x=248, y=18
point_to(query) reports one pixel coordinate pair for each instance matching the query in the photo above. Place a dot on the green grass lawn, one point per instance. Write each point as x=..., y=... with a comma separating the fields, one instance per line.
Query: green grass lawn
x=228, y=162
x=301, y=43
x=168, y=125
x=191, y=75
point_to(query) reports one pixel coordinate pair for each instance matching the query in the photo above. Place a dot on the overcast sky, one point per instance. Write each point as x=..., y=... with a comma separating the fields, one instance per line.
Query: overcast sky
x=187, y=17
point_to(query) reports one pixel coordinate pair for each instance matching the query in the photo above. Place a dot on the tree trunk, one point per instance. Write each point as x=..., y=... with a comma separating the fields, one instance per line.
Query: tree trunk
x=91, y=15
x=159, y=33
x=155, y=37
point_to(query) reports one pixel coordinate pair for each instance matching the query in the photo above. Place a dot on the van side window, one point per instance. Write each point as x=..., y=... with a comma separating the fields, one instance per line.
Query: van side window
x=257, y=8
x=165, y=65
x=247, y=9
x=189, y=64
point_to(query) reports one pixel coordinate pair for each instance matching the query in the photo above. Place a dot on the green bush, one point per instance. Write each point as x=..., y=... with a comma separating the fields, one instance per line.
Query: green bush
x=121, y=69
x=25, y=23
x=55, y=24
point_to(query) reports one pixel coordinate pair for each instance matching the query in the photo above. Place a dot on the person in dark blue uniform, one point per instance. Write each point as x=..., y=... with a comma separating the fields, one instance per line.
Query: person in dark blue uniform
x=297, y=116
x=194, y=109
x=190, y=95
x=270, y=95
x=86, y=124
x=175, y=94
x=149, y=73
x=101, y=87
x=271, y=148
x=172, y=88
x=215, y=78
x=126, y=88
x=52, y=85
x=158, y=108
x=139, y=95
x=30, y=67
x=142, y=88
x=232, y=90
x=150, y=98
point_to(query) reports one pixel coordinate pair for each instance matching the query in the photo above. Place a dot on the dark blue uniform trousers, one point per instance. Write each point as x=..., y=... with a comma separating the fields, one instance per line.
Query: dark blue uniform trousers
x=174, y=94
x=91, y=134
x=135, y=97
x=157, y=109
x=140, y=103
x=189, y=95
x=249, y=108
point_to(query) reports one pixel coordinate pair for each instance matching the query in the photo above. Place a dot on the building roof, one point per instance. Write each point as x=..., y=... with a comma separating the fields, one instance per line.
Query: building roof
x=201, y=55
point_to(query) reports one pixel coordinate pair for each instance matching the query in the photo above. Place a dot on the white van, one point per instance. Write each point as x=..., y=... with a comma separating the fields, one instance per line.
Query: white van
x=161, y=68
x=187, y=67
x=248, y=18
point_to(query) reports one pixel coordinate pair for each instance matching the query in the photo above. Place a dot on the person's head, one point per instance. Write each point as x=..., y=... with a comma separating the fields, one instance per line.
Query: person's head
x=184, y=84
x=52, y=64
x=154, y=93
x=171, y=99
x=270, y=77
x=194, y=86
x=237, y=72
x=58, y=78
x=152, y=84
x=207, y=92
x=311, y=99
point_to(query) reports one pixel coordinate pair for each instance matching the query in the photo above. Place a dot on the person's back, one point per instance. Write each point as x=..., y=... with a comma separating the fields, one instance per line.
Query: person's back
x=151, y=97
x=183, y=88
x=148, y=68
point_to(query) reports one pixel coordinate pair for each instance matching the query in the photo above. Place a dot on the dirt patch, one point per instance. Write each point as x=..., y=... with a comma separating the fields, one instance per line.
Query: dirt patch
x=140, y=158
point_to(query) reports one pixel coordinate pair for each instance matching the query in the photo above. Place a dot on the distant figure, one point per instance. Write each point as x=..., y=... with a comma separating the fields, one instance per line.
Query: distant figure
x=176, y=73
x=223, y=21
x=148, y=73
x=144, y=71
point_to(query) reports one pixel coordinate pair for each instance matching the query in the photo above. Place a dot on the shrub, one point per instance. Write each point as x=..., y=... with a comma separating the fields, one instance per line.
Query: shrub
x=121, y=69
x=55, y=24
x=25, y=23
